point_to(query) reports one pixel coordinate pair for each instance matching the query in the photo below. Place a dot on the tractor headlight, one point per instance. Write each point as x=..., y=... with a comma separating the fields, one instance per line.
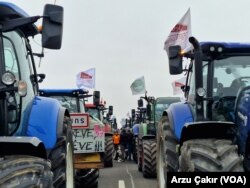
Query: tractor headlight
x=8, y=78
x=212, y=48
x=201, y=92
x=22, y=88
x=220, y=49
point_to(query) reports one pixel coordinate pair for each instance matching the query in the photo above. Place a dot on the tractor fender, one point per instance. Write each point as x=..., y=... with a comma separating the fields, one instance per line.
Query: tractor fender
x=62, y=113
x=142, y=130
x=136, y=129
x=179, y=114
x=45, y=117
x=12, y=145
x=150, y=136
x=107, y=128
x=108, y=134
x=208, y=129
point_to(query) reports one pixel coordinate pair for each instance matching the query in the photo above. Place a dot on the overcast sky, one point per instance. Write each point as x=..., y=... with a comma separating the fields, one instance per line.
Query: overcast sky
x=124, y=39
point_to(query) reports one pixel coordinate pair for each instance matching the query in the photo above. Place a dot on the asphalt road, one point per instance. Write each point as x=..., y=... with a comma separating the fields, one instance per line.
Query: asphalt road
x=124, y=175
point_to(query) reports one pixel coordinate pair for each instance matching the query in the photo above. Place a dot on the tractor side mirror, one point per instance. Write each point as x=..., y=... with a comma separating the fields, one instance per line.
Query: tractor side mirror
x=175, y=60
x=110, y=112
x=96, y=98
x=140, y=103
x=52, y=29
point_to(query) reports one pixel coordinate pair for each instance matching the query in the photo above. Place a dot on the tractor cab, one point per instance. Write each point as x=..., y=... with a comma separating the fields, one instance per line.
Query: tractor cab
x=71, y=99
x=19, y=79
x=215, y=77
x=217, y=92
x=99, y=110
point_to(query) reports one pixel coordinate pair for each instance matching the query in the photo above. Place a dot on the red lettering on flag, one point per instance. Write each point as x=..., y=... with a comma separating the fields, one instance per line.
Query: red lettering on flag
x=85, y=75
x=179, y=27
x=178, y=84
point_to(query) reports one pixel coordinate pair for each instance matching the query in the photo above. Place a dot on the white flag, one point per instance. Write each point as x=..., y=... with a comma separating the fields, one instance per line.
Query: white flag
x=138, y=86
x=180, y=33
x=176, y=84
x=86, y=79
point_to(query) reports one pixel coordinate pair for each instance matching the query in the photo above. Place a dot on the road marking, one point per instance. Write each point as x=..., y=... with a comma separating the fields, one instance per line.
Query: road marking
x=131, y=177
x=121, y=184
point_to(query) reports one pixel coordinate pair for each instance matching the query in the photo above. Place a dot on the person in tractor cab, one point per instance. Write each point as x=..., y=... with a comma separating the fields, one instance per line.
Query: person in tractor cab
x=116, y=141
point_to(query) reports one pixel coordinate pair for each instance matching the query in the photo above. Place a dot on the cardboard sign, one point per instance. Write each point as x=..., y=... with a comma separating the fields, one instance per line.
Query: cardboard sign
x=88, y=140
x=79, y=120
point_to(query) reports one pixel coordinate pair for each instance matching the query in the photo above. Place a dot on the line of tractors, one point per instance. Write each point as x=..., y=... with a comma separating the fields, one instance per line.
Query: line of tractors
x=207, y=131
x=48, y=140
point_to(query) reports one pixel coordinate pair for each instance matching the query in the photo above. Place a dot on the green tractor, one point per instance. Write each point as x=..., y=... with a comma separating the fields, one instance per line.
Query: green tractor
x=146, y=140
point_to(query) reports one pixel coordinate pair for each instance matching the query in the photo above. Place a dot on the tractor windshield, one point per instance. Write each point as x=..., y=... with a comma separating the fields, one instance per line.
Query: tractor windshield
x=94, y=112
x=231, y=74
x=71, y=103
x=222, y=80
x=159, y=108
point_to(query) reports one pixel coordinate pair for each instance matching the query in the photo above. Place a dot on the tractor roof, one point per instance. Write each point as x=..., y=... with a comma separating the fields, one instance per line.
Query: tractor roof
x=230, y=47
x=90, y=105
x=167, y=100
x=62, y=92
x=9, y=11
x=100, y=106
x=221, y=50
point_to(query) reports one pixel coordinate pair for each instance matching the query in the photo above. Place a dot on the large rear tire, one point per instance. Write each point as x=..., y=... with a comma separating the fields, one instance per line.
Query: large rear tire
x=149, y=158
x=25, y=171
x=87, y=178
x=167, y=157
x=210, y=155
x=61, y=157
x=139, y=154
x=109, y=150
x=135, y=148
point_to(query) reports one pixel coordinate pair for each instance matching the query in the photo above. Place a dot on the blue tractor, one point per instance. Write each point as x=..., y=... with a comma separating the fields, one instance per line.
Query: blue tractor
x=36, y=148
x=87, y=162
x=210, y=131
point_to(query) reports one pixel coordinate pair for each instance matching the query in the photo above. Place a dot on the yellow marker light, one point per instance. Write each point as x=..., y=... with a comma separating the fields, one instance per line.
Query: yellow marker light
x=40, y=28
x=22, y=88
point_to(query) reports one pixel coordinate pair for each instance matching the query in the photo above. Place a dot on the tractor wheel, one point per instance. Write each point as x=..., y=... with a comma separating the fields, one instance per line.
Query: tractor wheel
x=61, y=157
x=139, y=154
x=87, y=178
x=109, y=150
x=149, y=158
x=210, y=155
x=167, y=157
x=25, y=171
x=135, y=149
